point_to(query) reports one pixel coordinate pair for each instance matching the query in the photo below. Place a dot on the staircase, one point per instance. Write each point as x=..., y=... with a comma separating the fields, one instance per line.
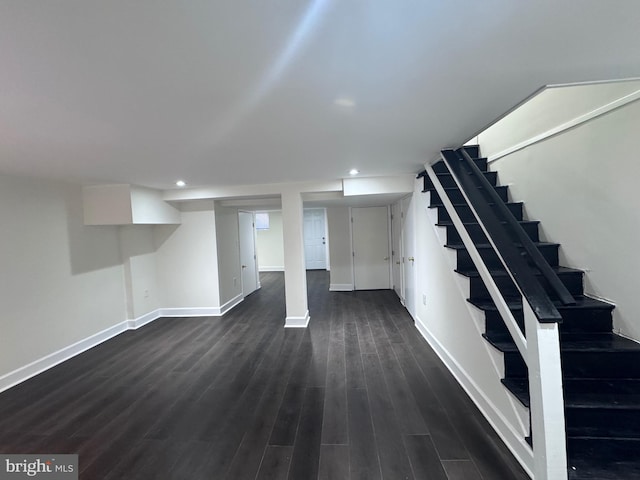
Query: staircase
x=601, y=370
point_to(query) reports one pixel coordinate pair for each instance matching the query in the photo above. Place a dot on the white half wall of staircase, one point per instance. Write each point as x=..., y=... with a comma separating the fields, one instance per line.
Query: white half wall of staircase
x=453, y=327
x=583, y=185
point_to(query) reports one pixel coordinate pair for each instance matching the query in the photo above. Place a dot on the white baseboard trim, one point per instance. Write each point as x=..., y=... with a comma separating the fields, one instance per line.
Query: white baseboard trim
x=341, y=287
x=190, y=312
x=512, y=439
x=136, y=323
x=297, y=322
x=271, y=269
x=232, y=303
x=21, y=374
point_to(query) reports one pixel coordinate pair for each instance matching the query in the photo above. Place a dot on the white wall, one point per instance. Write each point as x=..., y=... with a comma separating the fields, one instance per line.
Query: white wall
x=140, y=272
x=269, y=245
x=187, y=260
x=583, y=186
x=453, y=327
x=148, y=207
x=341, y=260
x=549, y=109
x=60, y=281
x=377, y=185
x=228, y=248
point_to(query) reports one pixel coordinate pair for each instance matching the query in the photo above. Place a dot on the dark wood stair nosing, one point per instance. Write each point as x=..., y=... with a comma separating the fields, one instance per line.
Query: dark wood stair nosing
x=515, y=304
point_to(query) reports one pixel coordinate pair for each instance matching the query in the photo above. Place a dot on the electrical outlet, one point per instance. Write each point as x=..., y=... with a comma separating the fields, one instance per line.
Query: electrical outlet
x=235, y=282
x=146, y=294
x=424, y=298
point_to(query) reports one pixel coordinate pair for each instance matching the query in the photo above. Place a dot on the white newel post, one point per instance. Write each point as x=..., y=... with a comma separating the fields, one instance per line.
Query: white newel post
x=547, y=403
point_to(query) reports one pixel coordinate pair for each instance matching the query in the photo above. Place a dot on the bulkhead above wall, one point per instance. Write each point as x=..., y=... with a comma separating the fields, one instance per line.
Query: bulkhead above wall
x=125, y=204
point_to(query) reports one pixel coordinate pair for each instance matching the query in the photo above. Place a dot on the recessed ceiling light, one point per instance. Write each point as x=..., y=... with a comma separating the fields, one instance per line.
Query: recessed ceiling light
x=181, y=183
x=354, y=171
x=345, y=102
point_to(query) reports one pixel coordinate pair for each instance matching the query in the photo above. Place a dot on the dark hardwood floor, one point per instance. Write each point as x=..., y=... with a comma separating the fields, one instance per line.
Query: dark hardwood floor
x=357, y=395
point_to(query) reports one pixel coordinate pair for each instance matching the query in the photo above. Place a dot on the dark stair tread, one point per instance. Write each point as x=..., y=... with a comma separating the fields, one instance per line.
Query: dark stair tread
x=603, y=458
x=515, y=303
x=622, y=394
x=495, y=187
x=479, y=159
x=475, y=159
x=575, y=342
x=460, y=246
x=489, y=175
x=448, y=174
x=460, y=205
x=559, y=270
x=449, y=223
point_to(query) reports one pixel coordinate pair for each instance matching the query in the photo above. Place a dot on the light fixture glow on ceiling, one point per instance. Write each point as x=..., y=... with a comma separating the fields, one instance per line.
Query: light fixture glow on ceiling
x=354, y=171
x=345, y=102
x=181, y=183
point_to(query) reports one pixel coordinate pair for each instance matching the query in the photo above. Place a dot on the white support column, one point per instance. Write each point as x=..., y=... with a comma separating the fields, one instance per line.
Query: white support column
x=547, y=403
x=295, y=274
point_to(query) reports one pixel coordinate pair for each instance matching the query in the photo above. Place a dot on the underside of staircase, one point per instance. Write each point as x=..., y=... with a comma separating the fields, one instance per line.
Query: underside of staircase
x=601, y=370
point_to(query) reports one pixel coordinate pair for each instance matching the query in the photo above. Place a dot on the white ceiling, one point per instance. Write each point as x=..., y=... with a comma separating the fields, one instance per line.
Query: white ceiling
x=241, y=92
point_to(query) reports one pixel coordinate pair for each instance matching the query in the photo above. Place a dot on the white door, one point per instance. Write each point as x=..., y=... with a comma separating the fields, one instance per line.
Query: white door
x=396, y=249
x=371, y=248
x=248, y=253
x=409, y=251
x=315, y=250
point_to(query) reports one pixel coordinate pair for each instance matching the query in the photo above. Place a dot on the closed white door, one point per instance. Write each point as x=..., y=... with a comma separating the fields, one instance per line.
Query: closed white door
x=315, y=250
x=409, y=252
x=248, y=253
x=396, y=249
x=371, y=265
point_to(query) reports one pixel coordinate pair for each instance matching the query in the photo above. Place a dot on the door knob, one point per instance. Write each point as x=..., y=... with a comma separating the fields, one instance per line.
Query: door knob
x=411, y=259
x=386, y=258
x=244, y=266
x=397, y=263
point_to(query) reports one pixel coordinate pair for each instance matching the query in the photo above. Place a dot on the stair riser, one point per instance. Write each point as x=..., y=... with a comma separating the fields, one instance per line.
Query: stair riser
x=440, y=167
x=573, y=282
x=448, y=181
x=584, y=365
x=466, y=215
x=456, y=196
x=477, y=234
x=602, y=422
x=472, y=150
x=464, y=262
x=573, y=321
